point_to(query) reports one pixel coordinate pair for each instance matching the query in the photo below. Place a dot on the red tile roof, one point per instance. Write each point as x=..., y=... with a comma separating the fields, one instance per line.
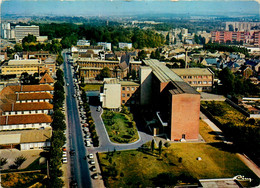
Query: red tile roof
x=25, y=119
x=28, y=88
x=46, y=79
x=33, y=96
x=26, y=106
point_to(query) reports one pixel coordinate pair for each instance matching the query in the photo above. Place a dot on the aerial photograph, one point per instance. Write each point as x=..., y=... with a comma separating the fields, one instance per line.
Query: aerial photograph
x=129, y=93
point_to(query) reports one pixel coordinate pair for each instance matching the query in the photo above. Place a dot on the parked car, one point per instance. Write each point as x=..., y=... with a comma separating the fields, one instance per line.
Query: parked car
x=64, y=154
x=64, y=160
x=92, y=161
x=95, y=176
x=93, y=169
x=88, y=143
x=91, y=156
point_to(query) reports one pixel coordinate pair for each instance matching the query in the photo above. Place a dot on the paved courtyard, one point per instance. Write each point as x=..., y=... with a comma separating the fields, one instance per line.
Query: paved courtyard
x=11, y=154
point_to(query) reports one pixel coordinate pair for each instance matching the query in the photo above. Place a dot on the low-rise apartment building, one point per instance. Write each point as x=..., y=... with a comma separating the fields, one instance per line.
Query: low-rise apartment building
x=115, y=93
x=200, y=79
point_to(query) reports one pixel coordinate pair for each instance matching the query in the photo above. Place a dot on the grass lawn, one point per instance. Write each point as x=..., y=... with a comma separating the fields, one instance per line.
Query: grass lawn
x=119, y=128
x=231, y=114
x=207, y=133
x=136, y=168
x=92, y=87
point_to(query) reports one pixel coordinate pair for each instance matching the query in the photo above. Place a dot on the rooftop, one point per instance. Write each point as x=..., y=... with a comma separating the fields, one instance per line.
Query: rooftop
x=24, y=136
x=46, y=79
x=164, y=74
x=25, y=119
x=192, y=71
x=129, y=83
x=26, y=106
x=31, y=88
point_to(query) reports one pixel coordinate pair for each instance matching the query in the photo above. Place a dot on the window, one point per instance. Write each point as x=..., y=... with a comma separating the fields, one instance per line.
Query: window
x=194, y=82
x=199, y=76
x=190, y=77
x=128, y=89
x=123, y=101
x=210, y=82
x=128, y=95
x=133, y=88
x=123, y=95
x=184, y=77
x=204, y=82
x=199, y=82
x=123, y=88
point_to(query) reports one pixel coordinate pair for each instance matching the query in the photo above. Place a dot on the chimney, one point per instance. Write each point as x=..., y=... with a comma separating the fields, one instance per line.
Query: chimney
x=6, y=120
x=186, y=54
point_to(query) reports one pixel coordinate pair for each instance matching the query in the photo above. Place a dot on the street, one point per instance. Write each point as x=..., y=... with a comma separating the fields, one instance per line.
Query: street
x=79, y=166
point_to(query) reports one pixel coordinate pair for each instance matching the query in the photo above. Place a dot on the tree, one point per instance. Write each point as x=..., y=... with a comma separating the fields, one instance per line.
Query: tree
x=167, y=144
x=59, y=59
x=18, y=47
x=133, y=74
x=28, y=39
x=152, y=145
x=160, y=148
x=3, y=161
x=227, y=79
x=104, y=73
x=142, y=55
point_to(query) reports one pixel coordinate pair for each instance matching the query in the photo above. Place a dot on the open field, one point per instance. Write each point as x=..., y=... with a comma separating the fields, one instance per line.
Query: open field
x=142, y=168
x=119, y=127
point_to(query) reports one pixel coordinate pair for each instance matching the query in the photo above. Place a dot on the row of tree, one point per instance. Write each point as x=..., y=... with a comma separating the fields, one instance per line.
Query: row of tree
x=58, y=138
x=29, y=43
x=236, y=85
x=226, y=48
x=70, y=33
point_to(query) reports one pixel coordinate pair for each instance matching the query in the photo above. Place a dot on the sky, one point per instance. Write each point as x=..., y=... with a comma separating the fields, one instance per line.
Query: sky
x=128, y=7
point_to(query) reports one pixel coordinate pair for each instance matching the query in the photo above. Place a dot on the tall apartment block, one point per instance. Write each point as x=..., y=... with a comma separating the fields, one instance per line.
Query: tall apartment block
x=5, y=30
x=23, y=31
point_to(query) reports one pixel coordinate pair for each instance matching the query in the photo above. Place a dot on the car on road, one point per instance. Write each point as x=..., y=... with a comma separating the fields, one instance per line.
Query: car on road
x=91, y=156
x=68, y=84
x=73, y=183
x=92, y=162
x=72, y=152
x=98, y=108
